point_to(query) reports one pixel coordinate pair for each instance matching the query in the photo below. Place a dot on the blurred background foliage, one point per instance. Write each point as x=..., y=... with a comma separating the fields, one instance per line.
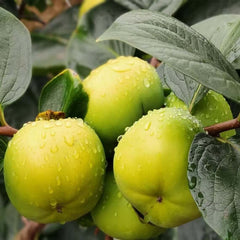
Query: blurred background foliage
x=64, y=37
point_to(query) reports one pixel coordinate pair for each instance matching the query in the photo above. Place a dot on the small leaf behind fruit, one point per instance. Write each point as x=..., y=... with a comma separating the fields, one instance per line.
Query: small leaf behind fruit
x=64, y=93
x=214, y=180
x=15, y=60
x=179, y=46
x=168, y=7
x=184, y=87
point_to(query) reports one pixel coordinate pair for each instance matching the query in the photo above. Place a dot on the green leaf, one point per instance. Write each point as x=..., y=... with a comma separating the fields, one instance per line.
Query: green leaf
x=64, y=93
x=3, y=148
x=49, y=44
x=168, y=7
x=83, y=53
x=224, y=32
x=40, y=4
x=184, y=87
x=196, y=10
x=15, y=61
x=214, y=180
x=179, y=46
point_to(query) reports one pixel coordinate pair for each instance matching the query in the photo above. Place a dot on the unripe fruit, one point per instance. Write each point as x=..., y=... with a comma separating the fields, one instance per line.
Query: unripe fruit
x=211, y=109
x=54, y=170
x=150, y=166
x=120, y=92
x=115, y=216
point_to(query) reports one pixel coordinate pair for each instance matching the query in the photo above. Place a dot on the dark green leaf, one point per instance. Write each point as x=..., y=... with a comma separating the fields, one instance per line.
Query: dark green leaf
x=168, y=7
x=214, y=180
x=15, y=60
x=64, y=93
x=183, y=86
x=3, y=147
x=49, y=44
x=9, y=5
x=83, y=53
x=224, y=32
x=179, y=46
x=40, y=4
x=196, y=10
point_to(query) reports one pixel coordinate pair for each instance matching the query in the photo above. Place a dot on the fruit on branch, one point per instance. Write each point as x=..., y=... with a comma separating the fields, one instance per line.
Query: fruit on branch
x=54, y=170
x=120, y=92
x=88, y=5
x=211, y=109
x=115, y=216
x=150, y=166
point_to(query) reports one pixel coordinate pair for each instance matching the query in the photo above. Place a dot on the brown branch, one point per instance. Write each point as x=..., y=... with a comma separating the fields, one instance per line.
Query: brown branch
x=154, y=62
x=108, y=237
x=30, y=230
x=216, y=129
x=7, y=131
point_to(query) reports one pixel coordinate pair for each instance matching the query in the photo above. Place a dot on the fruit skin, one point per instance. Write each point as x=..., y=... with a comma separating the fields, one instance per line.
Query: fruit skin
x=88, y=5
x=120, y=92
x=211, y=109
x=54, y=170
x=150, y=166
x=115, y=216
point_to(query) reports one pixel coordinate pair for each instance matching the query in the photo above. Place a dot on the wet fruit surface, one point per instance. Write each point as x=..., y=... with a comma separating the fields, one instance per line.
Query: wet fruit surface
x=54, y=170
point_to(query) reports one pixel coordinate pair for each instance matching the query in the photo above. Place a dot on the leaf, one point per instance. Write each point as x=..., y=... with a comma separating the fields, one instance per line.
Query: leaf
x=40, y=4
x=3, y=148
x=9, y=5
x=214, y=180
x=64, y=93
x=168, y=7
x=83, y=53
x=179, y=46
x=183, y=86
x=15, y=60
x=224, y=32
x=49, y=44
x=196, y=10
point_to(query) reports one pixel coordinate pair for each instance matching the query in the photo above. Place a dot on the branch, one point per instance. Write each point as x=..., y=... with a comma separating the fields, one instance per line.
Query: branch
x=108, y=237
x=216, y=129
x=7, y=131
x=30, y=230
x=154, y=62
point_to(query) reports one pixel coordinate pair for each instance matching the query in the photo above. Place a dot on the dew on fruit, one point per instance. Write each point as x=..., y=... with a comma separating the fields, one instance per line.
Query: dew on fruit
x=76, y=155
x=68, y=124
x=59, y=167
x=33, y=124
x=43, y=135
x=86, y=141
x=46, y=125
x=95, y=150
x=115, y=214
x=69, y=140
x=50, y=190
x=42, y=145
x=146, y=83
x=126, y=129
x=120, y=67
x=58, y=181
x=119, y=138
x=54, y=149
x=58, y=123
x=192, y=167
x=147, y=126
x=119, y=195
x=53, y=203
x=52, y=133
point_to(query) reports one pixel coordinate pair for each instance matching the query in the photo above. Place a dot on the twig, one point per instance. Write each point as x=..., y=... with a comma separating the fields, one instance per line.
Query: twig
x=30, y=230
x=154, y=62
x=108, y=237
x=216, y=129
x=7, y=131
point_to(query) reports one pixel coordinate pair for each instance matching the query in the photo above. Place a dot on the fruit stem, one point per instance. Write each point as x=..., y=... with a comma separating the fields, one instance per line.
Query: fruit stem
x=7, y=131
x=154, y=62
x=216, y=129
x=49, y=114
x=30, y=230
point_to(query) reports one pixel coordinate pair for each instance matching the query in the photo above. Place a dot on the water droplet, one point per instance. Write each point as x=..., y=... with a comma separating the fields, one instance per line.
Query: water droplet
x=52, y=133
x=119, y=195
x=86, y=141
x=147, y=126
x=99, y=148
x=47, y=125
x=119, y=138
x=58, y=123
x=192, y=167
x=43, y=135
x=59, y=167
x=76, y=155
x=68, y=124
x=58, y=181
x=53, y=203
x=33, y=124
x=146, y=82
x=69, y=140
x=120, y=67
x=115, y=214
x=54, y=149
x=42, y=145
x=50, y=190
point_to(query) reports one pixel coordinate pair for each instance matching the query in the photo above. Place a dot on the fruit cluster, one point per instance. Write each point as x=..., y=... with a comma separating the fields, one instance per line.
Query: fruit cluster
x=57, y=171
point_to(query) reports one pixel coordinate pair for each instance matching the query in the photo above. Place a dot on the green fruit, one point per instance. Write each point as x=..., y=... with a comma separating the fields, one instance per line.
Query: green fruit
x=211, y=109
x=115, y=216
x=150, y=166
x=120, y=92
x=54, y=170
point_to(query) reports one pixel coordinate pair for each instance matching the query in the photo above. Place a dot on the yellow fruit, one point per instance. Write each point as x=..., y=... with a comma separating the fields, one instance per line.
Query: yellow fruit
x=211, y=109
x=150, y=166
x=54, y=170
x=120, y=92
x=115, y=216
x=88, y=5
